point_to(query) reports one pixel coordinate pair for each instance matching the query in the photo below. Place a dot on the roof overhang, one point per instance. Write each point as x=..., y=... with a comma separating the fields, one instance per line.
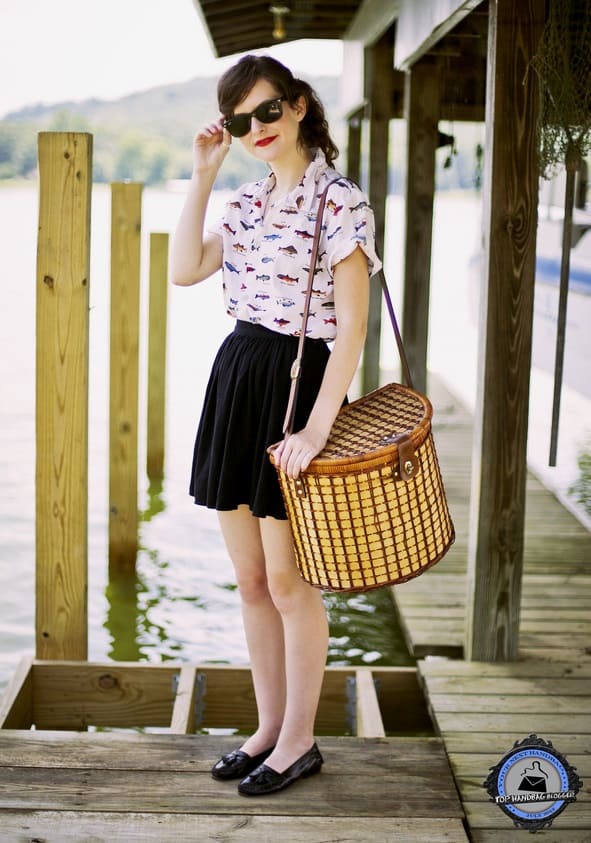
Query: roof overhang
x=238, y=26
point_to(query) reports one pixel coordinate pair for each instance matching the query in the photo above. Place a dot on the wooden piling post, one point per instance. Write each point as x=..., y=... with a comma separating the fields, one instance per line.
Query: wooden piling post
x=421, y=103
x=63, y=264
x=499, y=465
x=380, y=93
x=126, y=199
x=157, y=355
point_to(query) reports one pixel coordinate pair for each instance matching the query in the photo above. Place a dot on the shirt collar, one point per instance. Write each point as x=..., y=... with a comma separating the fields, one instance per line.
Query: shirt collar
x=314, y=172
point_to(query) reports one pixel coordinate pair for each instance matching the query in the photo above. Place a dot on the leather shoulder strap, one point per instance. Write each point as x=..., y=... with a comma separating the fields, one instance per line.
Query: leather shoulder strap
x=296, y=368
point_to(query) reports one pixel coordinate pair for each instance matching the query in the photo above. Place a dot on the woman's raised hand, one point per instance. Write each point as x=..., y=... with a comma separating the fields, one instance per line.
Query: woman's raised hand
x=210, y=146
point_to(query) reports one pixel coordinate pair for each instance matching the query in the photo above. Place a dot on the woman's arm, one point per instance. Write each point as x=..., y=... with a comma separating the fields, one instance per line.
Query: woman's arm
x=194, y=257
x=351, y=295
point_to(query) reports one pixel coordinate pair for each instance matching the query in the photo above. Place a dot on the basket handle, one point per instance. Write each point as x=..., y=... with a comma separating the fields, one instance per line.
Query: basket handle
x=296, y=368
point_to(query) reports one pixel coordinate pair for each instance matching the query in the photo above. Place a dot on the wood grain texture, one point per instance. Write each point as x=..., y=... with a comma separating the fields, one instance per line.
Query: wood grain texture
x=421, y=108
x=379, y=91
x=57, y=827
x=500, y=443
x=380, y=777
x=126, y=199
x=157, y=334
x=61, y=477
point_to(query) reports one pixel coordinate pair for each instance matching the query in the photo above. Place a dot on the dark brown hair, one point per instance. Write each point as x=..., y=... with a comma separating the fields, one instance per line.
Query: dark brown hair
x=236, y=83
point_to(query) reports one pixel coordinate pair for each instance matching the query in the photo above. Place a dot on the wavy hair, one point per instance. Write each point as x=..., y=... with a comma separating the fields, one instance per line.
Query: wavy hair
x=238, y=81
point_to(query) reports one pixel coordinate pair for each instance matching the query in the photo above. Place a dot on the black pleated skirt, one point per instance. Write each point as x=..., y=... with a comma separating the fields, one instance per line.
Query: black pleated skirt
x=243, y=413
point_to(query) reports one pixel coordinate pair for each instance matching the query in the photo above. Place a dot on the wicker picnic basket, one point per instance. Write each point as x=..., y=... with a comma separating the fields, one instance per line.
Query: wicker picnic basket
x=370, y=510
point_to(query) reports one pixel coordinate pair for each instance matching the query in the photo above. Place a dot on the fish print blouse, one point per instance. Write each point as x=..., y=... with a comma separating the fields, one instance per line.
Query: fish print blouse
x=266, y=250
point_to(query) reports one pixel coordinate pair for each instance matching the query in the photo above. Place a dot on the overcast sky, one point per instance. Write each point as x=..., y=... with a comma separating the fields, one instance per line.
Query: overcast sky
x=56, y=50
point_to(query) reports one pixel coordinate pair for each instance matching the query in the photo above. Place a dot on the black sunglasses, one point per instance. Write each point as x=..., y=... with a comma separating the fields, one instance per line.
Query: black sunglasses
x=267, y=112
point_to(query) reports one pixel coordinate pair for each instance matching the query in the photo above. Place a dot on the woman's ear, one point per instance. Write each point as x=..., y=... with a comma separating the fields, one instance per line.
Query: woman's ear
x=301, y=107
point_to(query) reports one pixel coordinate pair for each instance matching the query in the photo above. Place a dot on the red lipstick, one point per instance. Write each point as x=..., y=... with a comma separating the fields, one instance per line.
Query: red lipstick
x=265, y=141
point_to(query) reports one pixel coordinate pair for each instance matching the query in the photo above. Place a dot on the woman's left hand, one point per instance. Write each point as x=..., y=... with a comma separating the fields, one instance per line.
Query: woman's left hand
x=296, y=452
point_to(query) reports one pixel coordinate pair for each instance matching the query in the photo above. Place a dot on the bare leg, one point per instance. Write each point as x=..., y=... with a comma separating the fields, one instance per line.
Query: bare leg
x=262, y=624
x=305, y=632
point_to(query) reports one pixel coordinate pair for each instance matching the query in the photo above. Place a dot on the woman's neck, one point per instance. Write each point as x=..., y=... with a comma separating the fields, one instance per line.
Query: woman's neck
x=288, y=174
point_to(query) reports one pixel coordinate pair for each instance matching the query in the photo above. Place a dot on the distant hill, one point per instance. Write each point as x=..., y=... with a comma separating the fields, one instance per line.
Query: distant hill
x=144, y=136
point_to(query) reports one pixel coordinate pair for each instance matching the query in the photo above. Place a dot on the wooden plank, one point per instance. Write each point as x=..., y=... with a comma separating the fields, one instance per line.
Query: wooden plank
x=421, y=108
x=16, y=703
x=501, y=685
x=495, y=561
x=71, y=827
x=486, y=815
x=379, y=93
x=183, y=712
x=351, y=794
x=354, y=129
x=74, y=695
x=157, y=330
x=126, y=214
x=371, y=20
x=502, y=742
x=196, y=754
x=368, y=718
x=549, y=725
x=421, y=25
x=560, y=654
x=77, y=695
x=61, y=475
x=531, y=704
x=564, y=834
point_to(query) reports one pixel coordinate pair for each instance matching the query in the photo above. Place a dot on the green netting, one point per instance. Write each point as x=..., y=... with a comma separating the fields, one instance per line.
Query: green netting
x=563, y=65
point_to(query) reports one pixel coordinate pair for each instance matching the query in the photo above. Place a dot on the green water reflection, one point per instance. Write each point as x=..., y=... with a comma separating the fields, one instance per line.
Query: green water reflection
x=142, y=609
x=170, y=608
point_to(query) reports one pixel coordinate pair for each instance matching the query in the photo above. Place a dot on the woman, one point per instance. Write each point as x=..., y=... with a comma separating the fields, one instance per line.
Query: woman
x=262, y=244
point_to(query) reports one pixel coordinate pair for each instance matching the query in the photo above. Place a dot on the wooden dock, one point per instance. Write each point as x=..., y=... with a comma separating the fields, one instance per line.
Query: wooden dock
x=82, y=774
x=114, y=787
x=392, y=773
x=481, y=709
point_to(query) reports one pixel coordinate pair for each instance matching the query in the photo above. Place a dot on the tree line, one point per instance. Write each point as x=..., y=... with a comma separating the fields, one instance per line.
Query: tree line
x=147, y=137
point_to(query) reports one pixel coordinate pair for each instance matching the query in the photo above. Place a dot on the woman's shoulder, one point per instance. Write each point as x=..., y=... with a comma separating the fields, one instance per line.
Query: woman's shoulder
x=345, y=188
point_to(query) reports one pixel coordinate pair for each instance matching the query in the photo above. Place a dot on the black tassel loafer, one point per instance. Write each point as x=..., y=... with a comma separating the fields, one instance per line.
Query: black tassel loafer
x=265, y=780
x=237, y=764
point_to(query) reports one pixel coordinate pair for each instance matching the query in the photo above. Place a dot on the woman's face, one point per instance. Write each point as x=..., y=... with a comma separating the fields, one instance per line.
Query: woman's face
x=271, y=142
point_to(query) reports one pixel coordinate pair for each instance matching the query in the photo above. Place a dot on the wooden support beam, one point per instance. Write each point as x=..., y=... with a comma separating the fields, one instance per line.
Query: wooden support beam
x=16, y=703
x=63, y=265
x=123, y=416
x=421, y=25
x=499, y=470
x=354, y=131
x=422, y=113
x=371, y=20
x=157, y=354
x=73, y=695
x=368, y=721
x=380, y=95
x=183, y=712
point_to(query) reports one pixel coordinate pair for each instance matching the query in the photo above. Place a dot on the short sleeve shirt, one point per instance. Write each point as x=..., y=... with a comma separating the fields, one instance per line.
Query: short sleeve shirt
x=267, y=247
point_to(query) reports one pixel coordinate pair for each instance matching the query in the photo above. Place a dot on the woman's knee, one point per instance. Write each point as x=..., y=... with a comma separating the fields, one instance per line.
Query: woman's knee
x=252, y=584
x=287, y=590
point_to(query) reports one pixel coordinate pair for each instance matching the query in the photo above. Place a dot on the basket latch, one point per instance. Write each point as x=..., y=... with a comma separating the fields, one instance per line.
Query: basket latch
x=300, y=487
x=408, y=463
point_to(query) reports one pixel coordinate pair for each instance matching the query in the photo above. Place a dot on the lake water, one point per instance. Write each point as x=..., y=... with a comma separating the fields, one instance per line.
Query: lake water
x=183, y=603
